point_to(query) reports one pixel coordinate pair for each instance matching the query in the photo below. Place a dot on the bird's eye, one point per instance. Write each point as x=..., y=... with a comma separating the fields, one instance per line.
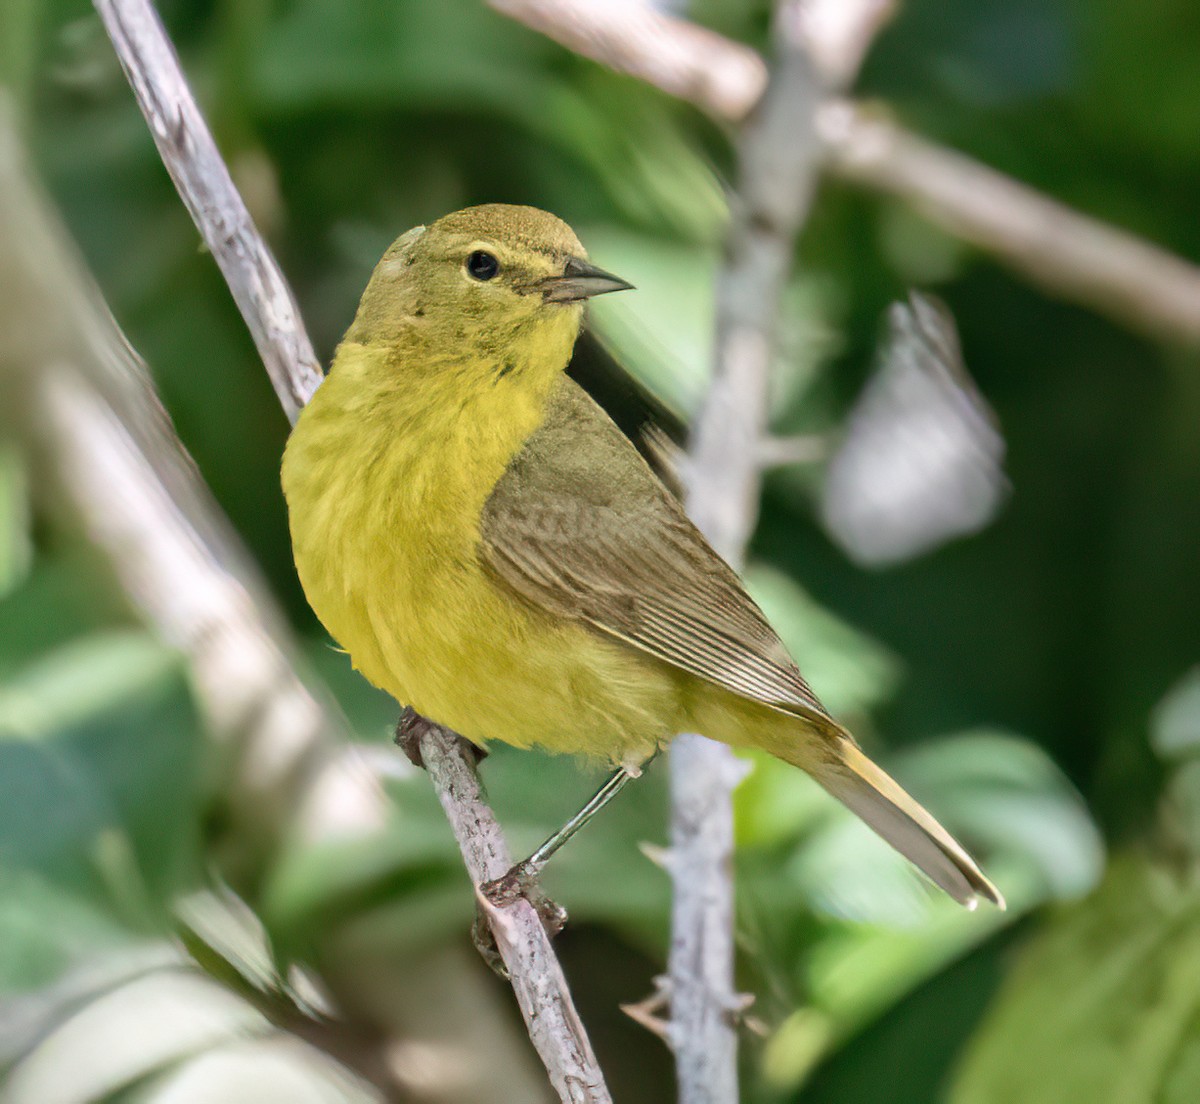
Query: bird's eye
x=482, y=265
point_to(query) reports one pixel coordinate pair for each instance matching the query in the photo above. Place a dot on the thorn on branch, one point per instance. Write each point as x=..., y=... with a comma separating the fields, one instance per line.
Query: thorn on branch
x=646, y=1011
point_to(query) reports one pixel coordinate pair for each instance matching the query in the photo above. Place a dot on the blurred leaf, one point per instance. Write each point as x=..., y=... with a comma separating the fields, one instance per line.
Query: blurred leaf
x=271, y=1070
x=921, y=456
x=1141, y=87
x=45, y=929
x=227, y=939
x=996, y=793
x=1104, y=1005
x=66, y=593
x=1181, y=807
x=776, y=804
x=1004, y=795
x=112, y=1042
x=662, y=332
x=1175, y=723
x=99, y=765
x=90, y=675
x=411, y=869
x=320, y=56
x=850, y=672
x=921, y=253
x=16, y=546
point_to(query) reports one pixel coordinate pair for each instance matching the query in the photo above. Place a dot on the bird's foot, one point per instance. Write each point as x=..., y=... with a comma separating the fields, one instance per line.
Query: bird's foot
x=522, y=881
x=409, y=730
x=485, y=943
x=519, y=882
x=412, y=726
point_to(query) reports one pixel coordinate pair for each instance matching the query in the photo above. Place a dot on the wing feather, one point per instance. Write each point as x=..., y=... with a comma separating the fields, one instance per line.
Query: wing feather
x=580, y=525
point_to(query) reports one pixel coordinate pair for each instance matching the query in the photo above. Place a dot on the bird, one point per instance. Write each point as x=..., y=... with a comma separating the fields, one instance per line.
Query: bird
x=491, y=550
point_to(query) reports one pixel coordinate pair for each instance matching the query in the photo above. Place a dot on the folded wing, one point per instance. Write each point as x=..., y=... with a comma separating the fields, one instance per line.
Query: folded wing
x=580, y=525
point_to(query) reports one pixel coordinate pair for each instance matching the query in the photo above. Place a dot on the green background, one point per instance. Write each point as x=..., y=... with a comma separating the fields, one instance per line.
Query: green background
x=1036, y=684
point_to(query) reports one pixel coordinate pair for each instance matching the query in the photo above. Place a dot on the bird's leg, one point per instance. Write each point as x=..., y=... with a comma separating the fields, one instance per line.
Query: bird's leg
x=522, y=879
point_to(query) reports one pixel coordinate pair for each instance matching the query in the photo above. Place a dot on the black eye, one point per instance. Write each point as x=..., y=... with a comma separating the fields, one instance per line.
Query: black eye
x=482, y=265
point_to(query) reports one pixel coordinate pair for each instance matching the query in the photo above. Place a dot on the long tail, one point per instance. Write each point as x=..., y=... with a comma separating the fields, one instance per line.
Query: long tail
x=874, y=796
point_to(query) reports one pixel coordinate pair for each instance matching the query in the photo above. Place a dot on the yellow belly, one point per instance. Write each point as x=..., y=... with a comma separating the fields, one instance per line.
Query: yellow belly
x=384, y=522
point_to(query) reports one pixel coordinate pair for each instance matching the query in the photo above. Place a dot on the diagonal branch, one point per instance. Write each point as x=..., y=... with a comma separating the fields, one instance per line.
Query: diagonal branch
x=206, y=188
x=266, y=303
x=1068, y=253
x=722, y=78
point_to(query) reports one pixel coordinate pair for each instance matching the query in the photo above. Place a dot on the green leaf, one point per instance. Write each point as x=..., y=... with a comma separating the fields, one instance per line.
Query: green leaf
x=16, y=545
x=851, y=672
x=99, y=773
x=128, y=1033
x=885, y=930
x=1104, y=1005
x=46, y=928
x=274, y=1069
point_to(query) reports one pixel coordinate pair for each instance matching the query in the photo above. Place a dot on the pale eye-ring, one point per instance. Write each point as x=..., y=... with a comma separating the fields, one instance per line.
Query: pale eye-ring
x=481, y=265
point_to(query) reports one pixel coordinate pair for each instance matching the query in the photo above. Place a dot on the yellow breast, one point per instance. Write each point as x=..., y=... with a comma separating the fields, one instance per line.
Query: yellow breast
x=385, y=476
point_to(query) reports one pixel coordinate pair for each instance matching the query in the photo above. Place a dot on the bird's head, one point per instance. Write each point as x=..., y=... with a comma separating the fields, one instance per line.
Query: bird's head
x=487, y=275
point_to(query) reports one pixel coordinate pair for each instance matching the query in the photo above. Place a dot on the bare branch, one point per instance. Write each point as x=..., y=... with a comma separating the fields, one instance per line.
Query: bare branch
x=267, y=305
x=838, y=34
x=191, y=157
x=722, y=78
x=1069, y=254
x=143, y=503
x=778, y=164
x=554, y=1025
x=783, y=452
x=1079, y=258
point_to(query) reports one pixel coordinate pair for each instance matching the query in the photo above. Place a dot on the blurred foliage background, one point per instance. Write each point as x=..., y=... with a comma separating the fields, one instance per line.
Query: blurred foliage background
x=1036, y=683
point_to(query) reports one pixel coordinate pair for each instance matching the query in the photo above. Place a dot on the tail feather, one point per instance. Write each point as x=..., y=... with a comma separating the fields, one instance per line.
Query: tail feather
x=874, y=796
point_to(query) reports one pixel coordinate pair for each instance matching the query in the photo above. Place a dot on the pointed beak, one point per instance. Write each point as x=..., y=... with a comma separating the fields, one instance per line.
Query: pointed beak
x=580, y=280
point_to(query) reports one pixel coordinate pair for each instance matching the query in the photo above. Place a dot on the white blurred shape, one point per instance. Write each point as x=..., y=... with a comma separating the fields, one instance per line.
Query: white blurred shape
x=921, y=460
x=277, y=1070
x=128, y=1034
x=1175, y=722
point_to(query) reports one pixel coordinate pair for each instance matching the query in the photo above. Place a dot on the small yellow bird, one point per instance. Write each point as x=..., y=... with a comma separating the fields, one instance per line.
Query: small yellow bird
x=491, y=550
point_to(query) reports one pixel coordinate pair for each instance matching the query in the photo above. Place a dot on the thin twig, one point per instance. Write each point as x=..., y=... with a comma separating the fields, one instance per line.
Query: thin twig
x=1068, y=253
x=1110, y=270
x=266, y=303
x=778, y=163
x=722, y=78
x=205, y=186
x=537, y=978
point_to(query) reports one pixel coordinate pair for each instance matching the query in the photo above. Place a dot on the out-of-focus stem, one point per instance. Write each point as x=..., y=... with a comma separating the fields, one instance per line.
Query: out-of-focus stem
x=1063, y=250
x=778, y=163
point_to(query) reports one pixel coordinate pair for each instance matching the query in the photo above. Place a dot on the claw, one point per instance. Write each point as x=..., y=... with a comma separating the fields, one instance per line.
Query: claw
x=518, y=883
x=409, y=730
x=412, y=726
x=522, y=881
x=485, y=943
